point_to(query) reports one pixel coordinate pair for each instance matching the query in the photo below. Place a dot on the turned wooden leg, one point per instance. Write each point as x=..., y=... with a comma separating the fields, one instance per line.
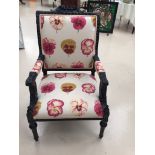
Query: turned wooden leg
x=32, y=124
x=102, y=128
x=104, y=121
x=33, y=127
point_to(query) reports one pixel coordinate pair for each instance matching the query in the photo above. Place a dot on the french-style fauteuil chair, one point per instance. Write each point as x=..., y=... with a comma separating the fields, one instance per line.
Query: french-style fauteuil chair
x=67, y=42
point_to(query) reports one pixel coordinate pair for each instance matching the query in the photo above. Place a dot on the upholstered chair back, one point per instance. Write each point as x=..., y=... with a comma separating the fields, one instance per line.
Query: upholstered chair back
x=68, y=41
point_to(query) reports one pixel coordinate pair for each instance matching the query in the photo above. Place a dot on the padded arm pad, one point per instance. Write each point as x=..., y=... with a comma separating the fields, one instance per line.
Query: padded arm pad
x=98, y=64
x=100, y=70
x=37, y=66
x=99, y=67
x=35, y=71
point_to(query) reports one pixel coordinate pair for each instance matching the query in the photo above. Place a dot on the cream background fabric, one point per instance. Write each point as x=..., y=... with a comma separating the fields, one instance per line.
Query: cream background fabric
x=76, y=94
x=68, y=32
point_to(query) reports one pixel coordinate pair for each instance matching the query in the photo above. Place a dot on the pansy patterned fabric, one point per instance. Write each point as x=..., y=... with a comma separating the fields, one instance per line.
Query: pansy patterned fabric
x=68, y=41
x=78, y=22
x=54, y=107
x=57, y=22
x=48, y=46
x=68, y=95
x=99, y=66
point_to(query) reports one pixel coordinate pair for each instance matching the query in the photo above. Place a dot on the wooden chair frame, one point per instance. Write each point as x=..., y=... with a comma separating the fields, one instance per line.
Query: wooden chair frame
x=31, y=82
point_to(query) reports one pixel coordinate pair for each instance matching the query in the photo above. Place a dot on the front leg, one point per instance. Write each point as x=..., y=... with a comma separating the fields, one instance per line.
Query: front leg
x=104, y=121
x=33, y=100
x=30, y=81
x=102, y=93
x=102, y=128
x=32, y=123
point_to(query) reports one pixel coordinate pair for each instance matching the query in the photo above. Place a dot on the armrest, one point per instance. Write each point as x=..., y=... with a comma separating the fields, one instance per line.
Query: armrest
x=35, y=71
x=100, y=70
x=103, y=81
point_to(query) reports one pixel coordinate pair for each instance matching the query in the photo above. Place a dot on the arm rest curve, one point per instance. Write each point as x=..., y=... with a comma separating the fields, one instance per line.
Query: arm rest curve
x=35, y=71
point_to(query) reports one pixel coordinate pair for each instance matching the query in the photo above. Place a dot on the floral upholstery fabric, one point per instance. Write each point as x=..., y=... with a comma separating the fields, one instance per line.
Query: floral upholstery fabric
x=68, y=41
x=99, y=66
x=68, y=95
x=37, y=66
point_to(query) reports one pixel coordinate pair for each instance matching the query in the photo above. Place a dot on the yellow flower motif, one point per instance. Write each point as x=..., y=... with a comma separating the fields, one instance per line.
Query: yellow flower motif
x=68, y=46
x=93, y=19
x=36, y=108
x=68, y=87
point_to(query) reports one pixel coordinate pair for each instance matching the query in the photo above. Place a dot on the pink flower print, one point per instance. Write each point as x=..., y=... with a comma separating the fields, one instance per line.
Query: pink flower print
x=98, y=109
x=60, y=75
x=77, y=65
x=78, y=75
x=47, y=88
x=78, y=22
x=79, y=107
x=37, y=67
x=88, y=88
x=56, y=22
x=54, y=107
x=87, y=46
x=41, y=21
x=59, y=65
x=48, y=46
x=98, y=66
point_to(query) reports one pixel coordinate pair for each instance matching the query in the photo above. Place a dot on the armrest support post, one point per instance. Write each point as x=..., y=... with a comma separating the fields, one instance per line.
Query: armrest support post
x=102, y=93
x=103, y=81
x=33, y=94
x=35, y=70
x=31, y=81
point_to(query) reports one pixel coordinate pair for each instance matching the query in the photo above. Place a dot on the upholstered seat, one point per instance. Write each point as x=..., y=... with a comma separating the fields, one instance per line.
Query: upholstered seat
x=68, y=95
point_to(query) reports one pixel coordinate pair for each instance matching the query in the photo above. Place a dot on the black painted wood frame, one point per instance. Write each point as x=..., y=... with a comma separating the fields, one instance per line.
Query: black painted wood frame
x=31, y=82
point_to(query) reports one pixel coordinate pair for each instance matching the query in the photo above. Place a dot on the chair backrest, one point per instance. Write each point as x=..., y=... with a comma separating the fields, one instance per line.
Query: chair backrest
x=68, y=40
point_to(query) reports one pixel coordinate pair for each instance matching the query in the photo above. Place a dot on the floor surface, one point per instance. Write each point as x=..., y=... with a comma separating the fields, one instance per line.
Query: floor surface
x=81, y=137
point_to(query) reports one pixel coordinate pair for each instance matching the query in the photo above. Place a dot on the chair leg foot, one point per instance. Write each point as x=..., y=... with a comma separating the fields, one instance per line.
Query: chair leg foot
x=104, y=121
x=101, y=133
x=33, y=127
x=102, y=128
x=35, y=134
x=32, y=124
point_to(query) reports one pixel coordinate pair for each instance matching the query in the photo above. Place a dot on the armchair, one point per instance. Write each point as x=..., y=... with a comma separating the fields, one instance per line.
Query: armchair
x=67, y=42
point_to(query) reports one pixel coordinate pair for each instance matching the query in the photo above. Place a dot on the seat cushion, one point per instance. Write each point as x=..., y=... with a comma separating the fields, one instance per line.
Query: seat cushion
x=68, y=95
